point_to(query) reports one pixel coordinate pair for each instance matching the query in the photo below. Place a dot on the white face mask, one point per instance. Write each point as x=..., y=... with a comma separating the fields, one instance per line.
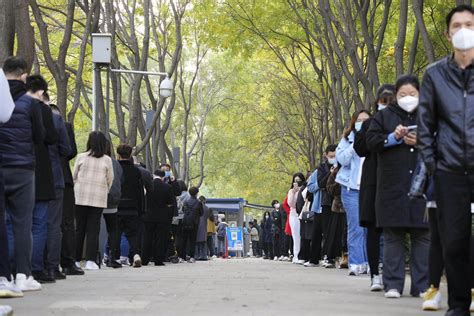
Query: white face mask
x=381, y=106
x=463, y=39
x=277, y=206
x=408, y=103
x=332, y=161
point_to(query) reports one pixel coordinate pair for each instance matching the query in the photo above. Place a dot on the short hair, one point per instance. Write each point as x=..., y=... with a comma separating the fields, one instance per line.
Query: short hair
x=159, y=173
x=165, y=165
x=97, y=144
x=125, y=151
x=405, y=80
x=35, y=83
x=202, y=198
x=330, y=148
x=194, y=191
x=458, y=9
x=15, y=66
x=274, y=202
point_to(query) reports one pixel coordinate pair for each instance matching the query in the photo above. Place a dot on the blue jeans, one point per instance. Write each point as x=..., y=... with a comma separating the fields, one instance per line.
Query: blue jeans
x=356, y=235
x=39, y=231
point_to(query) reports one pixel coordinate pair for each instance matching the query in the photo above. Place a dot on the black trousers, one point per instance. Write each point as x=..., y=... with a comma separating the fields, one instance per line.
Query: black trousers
x=155, y=244
x=210, y=245
x=277, y=245
x=68, y=244
x=113, y=237
x=326, y=217
x=130, y=226
x=305, y=252
x=87, y=228
x=188, y=243
x=316, y=239
x=5, y=270
x=454, y=193
x=268, y=248
x=373, y=248
x=436, y=261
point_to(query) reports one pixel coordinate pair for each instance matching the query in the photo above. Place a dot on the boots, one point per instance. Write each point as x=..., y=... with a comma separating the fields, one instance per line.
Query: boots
x=344, y=264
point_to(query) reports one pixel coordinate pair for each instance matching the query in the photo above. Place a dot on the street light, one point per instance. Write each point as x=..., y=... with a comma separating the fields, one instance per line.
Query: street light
x=166, y=87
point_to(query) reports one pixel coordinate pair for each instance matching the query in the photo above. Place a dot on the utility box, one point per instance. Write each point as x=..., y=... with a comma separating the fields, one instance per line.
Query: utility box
x=101, y=48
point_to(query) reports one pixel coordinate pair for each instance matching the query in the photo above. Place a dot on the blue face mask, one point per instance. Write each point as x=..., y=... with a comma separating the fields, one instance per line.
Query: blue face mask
x=381, y=106
x=167, y=174
x=358, y=126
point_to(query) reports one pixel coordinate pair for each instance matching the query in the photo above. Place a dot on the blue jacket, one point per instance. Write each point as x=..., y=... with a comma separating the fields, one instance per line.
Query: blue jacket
x=313, y=187
x=22, y=131
x=58, y=150
x=350, y=163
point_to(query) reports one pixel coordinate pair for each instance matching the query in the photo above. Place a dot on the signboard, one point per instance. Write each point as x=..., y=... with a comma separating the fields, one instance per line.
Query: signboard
x=235, y=240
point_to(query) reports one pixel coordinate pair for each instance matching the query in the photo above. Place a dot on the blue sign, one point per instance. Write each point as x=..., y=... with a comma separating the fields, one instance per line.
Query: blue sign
x=235, y=240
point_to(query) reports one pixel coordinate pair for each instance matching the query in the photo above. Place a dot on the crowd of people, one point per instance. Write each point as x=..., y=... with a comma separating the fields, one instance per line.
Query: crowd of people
x=395, y=192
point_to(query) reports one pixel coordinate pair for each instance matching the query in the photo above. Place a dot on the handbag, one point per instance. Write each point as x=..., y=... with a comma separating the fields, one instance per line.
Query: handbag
x=306, y=214
x=337, y=206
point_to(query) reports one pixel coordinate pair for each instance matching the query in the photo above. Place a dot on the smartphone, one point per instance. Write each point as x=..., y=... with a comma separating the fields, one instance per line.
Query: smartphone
x=412, y=128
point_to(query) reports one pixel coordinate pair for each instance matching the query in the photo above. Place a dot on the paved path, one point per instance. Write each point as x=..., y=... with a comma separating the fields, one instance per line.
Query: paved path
x=219, y=287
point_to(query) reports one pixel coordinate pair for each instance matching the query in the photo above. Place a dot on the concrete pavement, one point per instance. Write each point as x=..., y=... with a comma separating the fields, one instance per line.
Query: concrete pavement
x=221, y=287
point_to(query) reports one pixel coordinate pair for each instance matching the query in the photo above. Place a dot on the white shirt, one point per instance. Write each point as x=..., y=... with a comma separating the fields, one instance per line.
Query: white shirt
x=6, y=101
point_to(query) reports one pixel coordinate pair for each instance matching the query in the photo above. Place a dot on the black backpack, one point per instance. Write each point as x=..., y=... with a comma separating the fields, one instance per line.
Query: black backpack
x=191, y=214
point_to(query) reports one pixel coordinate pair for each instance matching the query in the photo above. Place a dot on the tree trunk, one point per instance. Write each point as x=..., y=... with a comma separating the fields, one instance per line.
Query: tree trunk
x=7, y=25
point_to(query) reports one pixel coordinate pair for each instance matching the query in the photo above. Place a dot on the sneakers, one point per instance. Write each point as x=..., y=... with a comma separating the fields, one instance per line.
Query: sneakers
x=392, y=294
x=6, y=310
x=309, y=264
x=275, y=259
x=286, y=259
x=26, y=284
x=353, y=270
x=192, y=260
x=91, y=265
x=77, y=264
x=363, y=269
x=376, y=284
x=113, y=264
x=432, y=299
x=124, y=261
x=181, y=260
x=42, y=277
x=329, y=264
x=344, y=262
x=9, y=289
x=137, y=261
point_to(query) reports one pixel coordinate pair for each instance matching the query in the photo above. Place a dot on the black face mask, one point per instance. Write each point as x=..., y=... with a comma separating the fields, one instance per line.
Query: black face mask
x=300, y=183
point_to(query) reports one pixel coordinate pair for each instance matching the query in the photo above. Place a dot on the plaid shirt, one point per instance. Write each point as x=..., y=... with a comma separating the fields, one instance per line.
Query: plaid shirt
x=93, y=178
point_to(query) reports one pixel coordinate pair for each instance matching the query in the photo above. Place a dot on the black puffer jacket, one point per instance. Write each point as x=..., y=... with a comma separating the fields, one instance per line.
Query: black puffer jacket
x=446, y=117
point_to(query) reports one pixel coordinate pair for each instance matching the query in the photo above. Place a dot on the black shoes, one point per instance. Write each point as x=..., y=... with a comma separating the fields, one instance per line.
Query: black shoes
x=73, y=270
x=159, y=264
x=42, y=277
x=57, y=275
x=113, y=264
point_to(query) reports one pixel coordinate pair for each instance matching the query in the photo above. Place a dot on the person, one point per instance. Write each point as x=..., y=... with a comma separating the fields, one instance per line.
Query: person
x=396, y=213
x=201, y=236
x=131, y=203
x=193, y=210
x=349, y=177
x=18, y=167
x=260, y=236
x=267, y=235
x=255, y=238
x=314, y=234
x=93, y=177
x=7, y=287
x=287, y=248
x=110, y=213
x=445, y=136
x=158, y=217
x=221, y=236
x=55, y=208
x=68, y=226
x=177, y=223
x=277, y=215
x=297, y=183
x=306, y=223
x=368, y=188
x=211, y=233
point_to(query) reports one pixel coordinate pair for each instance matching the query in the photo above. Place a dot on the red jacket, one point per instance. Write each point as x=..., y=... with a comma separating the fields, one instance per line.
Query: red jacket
x=286, y=207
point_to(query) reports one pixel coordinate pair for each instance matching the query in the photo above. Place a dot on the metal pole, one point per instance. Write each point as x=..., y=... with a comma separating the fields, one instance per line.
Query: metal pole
x=107, y=107
x=149, y=73
x=95, y=120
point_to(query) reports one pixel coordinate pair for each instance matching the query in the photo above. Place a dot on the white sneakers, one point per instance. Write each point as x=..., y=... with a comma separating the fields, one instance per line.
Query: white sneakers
x=26, y=284
x=91, y=265
x=137, y=261
x=377, y=284
x=275, y=259
x=353, y=269
x=310, y=265
x=432, y=299
x=393, y=293
x=6, y=310
x=9, y=289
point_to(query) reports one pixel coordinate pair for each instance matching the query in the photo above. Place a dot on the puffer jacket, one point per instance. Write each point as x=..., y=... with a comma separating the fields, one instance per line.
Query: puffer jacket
x=446, y=118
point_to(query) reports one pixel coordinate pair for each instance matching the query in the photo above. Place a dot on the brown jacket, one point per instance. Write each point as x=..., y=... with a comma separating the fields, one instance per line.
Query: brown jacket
x=93, y=178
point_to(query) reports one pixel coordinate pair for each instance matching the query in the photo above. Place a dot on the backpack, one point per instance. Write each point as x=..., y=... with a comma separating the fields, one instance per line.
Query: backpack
x=190, y=217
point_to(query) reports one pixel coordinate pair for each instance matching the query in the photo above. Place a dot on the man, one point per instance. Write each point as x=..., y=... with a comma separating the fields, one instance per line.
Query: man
x=446, y=143
x=44, y=179
x=255, y=238
x=17, y=139
x=193, y=210
x=277, y=230
x=57, y=152
x=158, y=217
x=68, y=247
x=130, y=207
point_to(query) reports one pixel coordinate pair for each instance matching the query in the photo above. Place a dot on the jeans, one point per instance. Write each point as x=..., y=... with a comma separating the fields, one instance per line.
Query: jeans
x=210, y=245
x=394, y=259
x=19, y=204
x=54, y=236
x=68, y=228
x=295, y=233
x=87, y=228
x=40, y=232
x=221, y=246
x=5, y=270
x=201, y=250
x=356, y=235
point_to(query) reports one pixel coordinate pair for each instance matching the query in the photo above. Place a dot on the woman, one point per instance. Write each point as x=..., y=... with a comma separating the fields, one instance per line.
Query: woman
x=349, y=177
x=267, y=235
x=396, y=213
x=368, y=185
x=201, y=236
x=93, y=177
x=297, y=184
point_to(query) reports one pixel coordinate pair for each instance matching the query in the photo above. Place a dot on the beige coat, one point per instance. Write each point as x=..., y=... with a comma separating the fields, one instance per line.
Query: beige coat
x=92, y=180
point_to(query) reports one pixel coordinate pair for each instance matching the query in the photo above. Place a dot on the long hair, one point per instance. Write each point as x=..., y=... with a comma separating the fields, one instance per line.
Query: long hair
x=351, y=126
x=266, y=212
x=299, y=175
x=385, y=94
x=97, y=144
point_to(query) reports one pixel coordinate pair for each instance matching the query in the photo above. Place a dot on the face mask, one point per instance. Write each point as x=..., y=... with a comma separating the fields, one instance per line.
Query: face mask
x=408, y=103
x=358, y=126
x=380, y=106
x=332, y=161
x=277, y=206
x=167, y=174
x=300, y=183
x=463, y=39
x=267, y=217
